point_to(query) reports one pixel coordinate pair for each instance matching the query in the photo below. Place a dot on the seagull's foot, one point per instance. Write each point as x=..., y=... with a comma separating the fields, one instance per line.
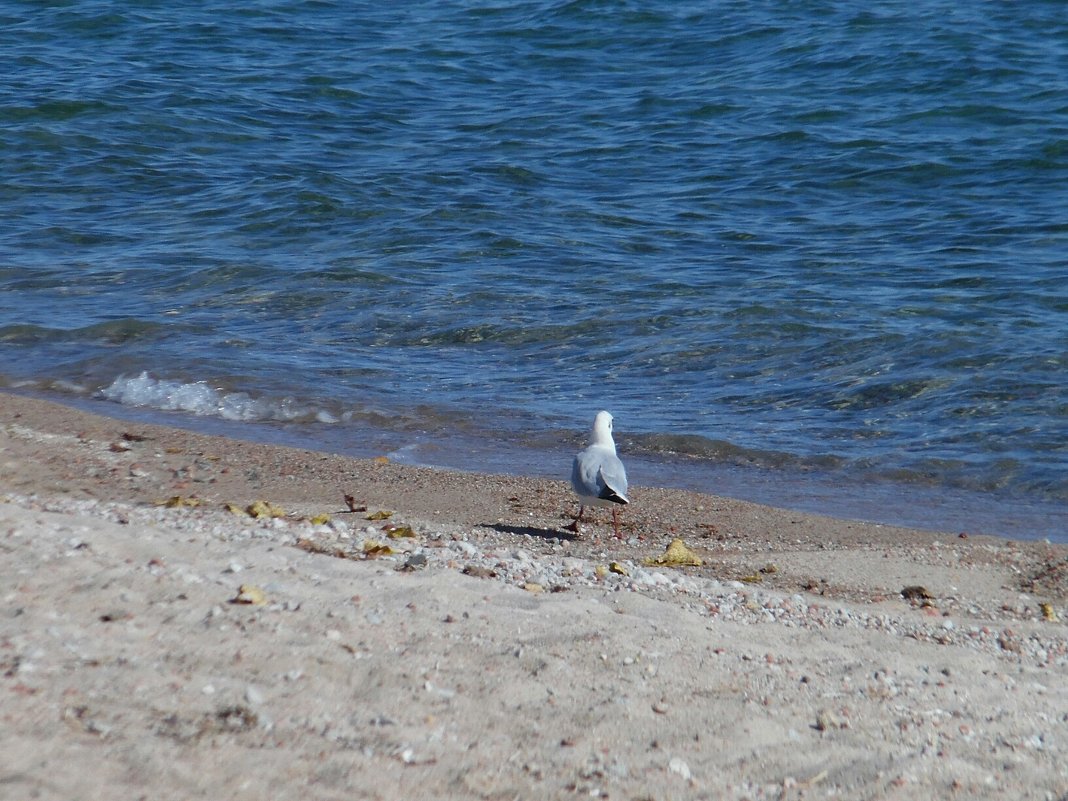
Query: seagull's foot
x=573, y=527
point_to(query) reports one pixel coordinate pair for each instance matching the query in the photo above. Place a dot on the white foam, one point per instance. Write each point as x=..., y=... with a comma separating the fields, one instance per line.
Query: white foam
x=202, y=399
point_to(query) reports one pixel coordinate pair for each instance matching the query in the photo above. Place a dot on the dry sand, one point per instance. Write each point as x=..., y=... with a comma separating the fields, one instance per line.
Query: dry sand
x=494, y=655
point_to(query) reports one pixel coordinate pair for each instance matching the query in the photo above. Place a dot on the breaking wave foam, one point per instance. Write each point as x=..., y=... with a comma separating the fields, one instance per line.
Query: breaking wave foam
x=202, y=399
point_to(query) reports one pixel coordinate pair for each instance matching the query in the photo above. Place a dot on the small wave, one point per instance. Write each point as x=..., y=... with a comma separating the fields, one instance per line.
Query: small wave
x=126, y=329
x=202, y=399
x=719, y=451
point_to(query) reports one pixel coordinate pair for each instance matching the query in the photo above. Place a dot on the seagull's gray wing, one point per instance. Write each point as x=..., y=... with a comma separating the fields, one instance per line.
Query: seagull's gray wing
x=613, y=480
x=598, y=474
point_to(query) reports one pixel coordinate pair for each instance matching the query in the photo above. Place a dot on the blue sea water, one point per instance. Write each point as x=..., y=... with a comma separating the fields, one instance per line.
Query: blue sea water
x=811, y=253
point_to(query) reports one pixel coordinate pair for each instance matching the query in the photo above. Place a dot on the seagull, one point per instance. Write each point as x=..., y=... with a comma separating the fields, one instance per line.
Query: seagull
x=597, y=476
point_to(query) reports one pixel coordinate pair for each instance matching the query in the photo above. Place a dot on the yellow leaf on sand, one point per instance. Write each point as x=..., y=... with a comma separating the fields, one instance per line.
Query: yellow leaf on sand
x=177, y=502
x=1048, y=613
x=263, y=509
x=235, y=510
x=616, y=567
x=372, y=549
x=676, y=555
x=320, y=520
x=250, y=594
x=601, y=571
x=381, y=460
x=399, y=532
x=755, y=578
x=533, y=587
x=381, y=514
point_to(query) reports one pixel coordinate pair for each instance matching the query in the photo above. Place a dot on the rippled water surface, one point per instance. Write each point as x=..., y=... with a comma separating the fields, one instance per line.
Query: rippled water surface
x=792, y=247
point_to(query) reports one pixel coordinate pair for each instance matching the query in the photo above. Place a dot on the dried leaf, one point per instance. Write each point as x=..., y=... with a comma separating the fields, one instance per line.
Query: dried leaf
x=676, y=555
x=381, y=514
x=600, y=571
x=533, y=587
x=264, y=509
x=350, y=502
x=616, y=567
x=312, y=546
x=478, y=571
x=399, y=532
x=769, y=569
x=755, y=578
x=827, y=720
x=233, y=719
x=250, y=594
x=177, y=502
x=320, y=520
x=372, y=549
x=381, y=460
x=235, y=510
x=1048, y=613
x=916, y=592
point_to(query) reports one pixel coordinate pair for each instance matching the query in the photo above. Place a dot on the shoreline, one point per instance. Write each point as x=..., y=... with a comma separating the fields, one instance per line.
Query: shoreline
x=842, y=495
x=493, y=654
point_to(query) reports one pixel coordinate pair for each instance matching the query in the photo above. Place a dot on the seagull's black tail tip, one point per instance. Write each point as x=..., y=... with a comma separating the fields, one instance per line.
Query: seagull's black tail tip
x=613, y=496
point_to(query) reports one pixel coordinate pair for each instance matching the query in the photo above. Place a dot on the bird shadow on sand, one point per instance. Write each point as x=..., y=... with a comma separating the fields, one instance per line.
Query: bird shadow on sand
x=533, y=531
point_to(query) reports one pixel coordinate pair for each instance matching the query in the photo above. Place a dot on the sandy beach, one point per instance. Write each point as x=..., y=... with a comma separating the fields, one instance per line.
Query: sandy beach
x=373, y=630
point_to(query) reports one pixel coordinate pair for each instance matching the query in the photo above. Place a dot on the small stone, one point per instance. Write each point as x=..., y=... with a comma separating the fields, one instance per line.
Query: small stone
x=254, y=695
x=465, y=548
x=417, y=561
x=677, y=765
